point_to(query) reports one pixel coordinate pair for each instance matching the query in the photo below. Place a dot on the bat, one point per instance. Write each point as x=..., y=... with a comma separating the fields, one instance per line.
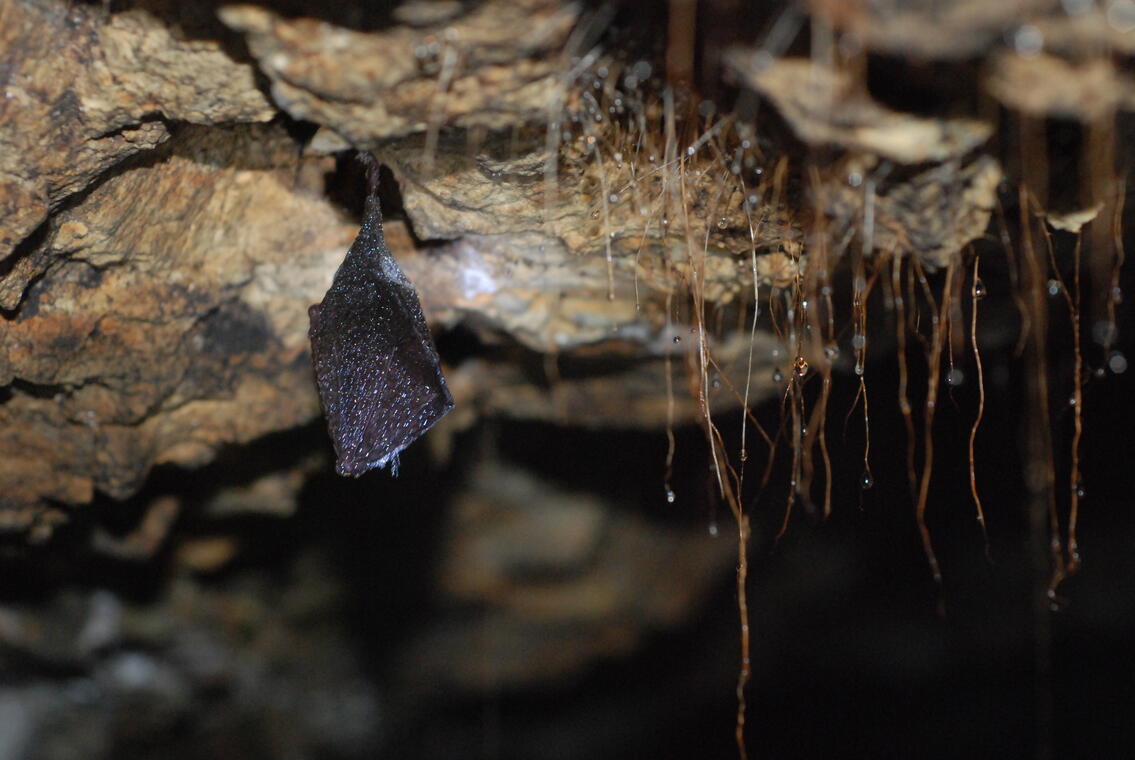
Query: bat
x=376, y=367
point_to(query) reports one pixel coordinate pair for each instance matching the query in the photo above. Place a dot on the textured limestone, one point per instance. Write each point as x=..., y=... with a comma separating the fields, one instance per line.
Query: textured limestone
x=171, y=320
x=81, y=91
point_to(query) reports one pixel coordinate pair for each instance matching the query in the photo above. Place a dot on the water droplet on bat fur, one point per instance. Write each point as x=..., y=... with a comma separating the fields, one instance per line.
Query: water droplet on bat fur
x=777, y=375
x=1053, y=288
x=713, y=528
x=867, y=481
x=1117, y=362
x=670, y=496
x=955, y=377
x=979, y=289
x=677, y=338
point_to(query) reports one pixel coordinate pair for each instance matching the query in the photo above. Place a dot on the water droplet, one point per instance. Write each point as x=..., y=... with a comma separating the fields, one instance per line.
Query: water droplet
x=955, y=377
x=867, y=481
x=1117, y=295
x=831, y=352
x=804, y=304
x=1103, y=332
x=716, y=383
x=651, y=159
x=1072, y=400
x=859, y=370
x=670, y=496
x=858, y=341
x=1028, y=40
x=855, y=179
x=595, y=214
x=979, y=289
x=713, y=528
x=1080, y=492
x=1053, y=288
x=613, y=198
x=777, y=375
x=1100, y=373
x=1121, y=15
x=1117, y=362
x=1076, y=7
x=677, y=338
x=722, y=223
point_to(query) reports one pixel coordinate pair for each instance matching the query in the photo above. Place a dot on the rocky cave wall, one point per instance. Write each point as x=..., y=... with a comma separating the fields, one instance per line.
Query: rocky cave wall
x=177, y=187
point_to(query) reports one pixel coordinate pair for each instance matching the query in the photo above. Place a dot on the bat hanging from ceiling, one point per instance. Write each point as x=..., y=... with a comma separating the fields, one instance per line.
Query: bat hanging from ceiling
x=378, y=372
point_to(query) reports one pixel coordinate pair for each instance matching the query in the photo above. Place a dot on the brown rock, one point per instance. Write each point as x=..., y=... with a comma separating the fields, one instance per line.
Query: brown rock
x=491, y=65
x=175, y=322
x=82, y=91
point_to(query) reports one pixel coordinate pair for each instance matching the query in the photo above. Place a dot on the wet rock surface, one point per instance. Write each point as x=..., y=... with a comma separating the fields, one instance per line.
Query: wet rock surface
x=607, y=264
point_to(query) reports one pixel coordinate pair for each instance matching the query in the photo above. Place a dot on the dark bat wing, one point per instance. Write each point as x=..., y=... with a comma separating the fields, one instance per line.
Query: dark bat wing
x=378, y=372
